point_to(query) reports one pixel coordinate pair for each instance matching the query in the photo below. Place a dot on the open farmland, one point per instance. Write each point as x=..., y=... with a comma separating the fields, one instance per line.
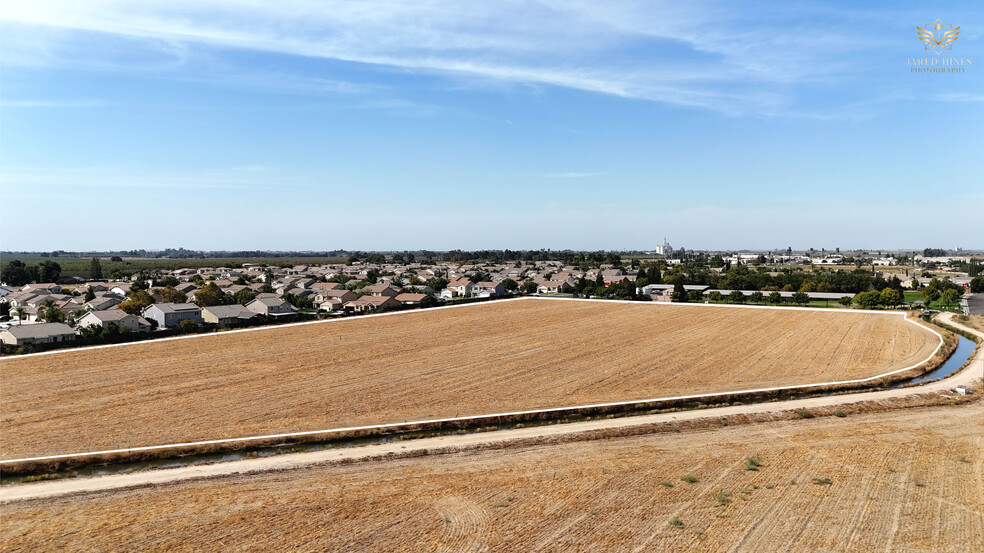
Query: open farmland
x=910, y=480
x=472, y=360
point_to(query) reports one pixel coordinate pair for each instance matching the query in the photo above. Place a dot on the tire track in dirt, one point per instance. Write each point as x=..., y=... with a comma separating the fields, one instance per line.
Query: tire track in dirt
x=467, y=524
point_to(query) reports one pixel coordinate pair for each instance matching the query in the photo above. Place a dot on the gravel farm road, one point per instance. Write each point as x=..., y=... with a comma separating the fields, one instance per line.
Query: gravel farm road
x=973, y=373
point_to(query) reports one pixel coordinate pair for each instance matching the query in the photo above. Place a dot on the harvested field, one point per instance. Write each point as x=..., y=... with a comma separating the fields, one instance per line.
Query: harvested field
x=473, y=360
x=910, y=480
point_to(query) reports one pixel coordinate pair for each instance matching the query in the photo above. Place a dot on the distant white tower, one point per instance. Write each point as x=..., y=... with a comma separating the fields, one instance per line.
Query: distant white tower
x=664, y=249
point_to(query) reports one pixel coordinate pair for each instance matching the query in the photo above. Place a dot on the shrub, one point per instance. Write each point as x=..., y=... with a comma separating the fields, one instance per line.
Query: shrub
x=840, y=413
x=666, y=484
x=722, y=497
x=823, y=481
x=676, y=522
x=804, y=414
x=689, y=478
x=752, y=463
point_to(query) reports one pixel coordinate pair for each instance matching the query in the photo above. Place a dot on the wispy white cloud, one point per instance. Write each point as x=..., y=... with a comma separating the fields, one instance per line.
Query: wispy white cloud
x=711, y=55
x=960, y=97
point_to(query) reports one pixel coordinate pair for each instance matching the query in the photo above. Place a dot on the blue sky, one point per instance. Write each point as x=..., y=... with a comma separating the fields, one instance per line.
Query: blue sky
x=495, y=124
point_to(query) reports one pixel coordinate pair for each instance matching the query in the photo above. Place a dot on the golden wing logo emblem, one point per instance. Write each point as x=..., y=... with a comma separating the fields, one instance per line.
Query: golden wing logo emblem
x=938, y=36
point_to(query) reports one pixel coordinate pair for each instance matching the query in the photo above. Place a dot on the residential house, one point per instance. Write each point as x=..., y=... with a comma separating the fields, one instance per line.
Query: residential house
x=304, y=282
x=121, y=289
x=371, y=303
x=272, y=307
x=340, y=294
x=42, y=333
x=420, y=289
x=20, y=299
x=461, y=287
x=488, y=289
x=330, y=304
x=617, y=279
x=170, y=315
x=227, y=315
x=382, y=290
x=100, y=303
x=46, y=287
x=121, y=319
x=186, y=287
x=324, y=286
x=410, y=299
x=553, y=287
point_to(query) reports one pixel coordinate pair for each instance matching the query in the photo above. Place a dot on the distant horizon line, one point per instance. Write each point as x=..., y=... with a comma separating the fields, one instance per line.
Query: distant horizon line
x=244, y=253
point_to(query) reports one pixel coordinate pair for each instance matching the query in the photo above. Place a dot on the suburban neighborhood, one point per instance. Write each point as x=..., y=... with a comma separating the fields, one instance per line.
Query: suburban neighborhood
x=155, y=303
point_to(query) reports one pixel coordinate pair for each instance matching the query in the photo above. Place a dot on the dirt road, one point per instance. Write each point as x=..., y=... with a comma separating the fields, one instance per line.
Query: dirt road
x=973, y=373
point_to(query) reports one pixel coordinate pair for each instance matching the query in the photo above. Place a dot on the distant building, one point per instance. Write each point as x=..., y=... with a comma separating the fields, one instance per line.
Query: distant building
x=664, y=249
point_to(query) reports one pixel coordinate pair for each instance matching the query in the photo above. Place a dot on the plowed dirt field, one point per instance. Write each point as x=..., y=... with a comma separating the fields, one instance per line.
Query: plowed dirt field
x=910, y=480
x=473, y=360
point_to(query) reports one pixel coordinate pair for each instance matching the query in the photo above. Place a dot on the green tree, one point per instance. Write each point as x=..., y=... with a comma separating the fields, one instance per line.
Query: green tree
x=188, y=325
x=528, y=286
x=775, y=298
x=715, y=296
x=15, y=273
x=48, y=271
x=891, y=297
x=95, y=269
x=846, y=301
x=736, y=296
x=510, y=285
x=109, y=331
x=210, y=294
x=931, y=294
x=868, y=300
x=136, y=302
x=245, y=296
x=654, y=276
x=756, y=297
x=801, y=298
x=679, y=293
x=169, y=294
x=977, y=284
x=20, y=312
x=51, y=314
x=949, y=296
x=89, y=294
